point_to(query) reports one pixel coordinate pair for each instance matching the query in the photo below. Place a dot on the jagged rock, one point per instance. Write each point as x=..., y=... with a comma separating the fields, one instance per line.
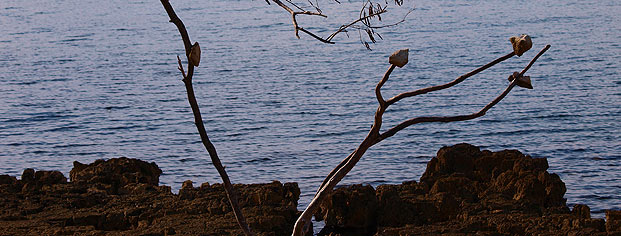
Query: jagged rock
x=613, y=221
x=466, y=191
x=121, y=197
x=6, y=179
x=49, y=177
x=187, y=184
x=581, y=211
x=456, y=159
x=352, y=209
x=28, y=175
x=116, y=173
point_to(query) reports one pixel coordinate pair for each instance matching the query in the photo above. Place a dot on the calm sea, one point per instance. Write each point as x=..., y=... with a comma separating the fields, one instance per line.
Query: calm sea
x=84, y=80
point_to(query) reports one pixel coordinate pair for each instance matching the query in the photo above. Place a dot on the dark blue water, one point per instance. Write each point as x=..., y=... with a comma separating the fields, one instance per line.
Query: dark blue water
x=83, y=80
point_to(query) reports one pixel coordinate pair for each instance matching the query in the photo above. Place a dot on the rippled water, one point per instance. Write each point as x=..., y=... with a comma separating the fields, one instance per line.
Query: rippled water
x=83, y=80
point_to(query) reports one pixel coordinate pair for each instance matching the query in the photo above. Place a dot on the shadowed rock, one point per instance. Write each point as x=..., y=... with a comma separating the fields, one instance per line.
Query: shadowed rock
x=121, y=196
x=466, y=191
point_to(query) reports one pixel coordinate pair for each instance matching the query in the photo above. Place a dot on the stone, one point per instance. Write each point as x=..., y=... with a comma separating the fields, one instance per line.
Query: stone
x=28, y=175
x=116, y=173
x=350, y=208
x=187, y=184
x=49, y=177
x=399, y=58
x=613, y=221
x=6, y=179
x=521, y=44
x=581, y=211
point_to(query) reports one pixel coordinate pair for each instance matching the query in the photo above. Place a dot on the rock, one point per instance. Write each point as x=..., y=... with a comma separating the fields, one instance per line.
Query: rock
x=555, y=189
x=170, y=231
x=49, y=177
x=465, y=191
x=351, y=209
x=114, y=221
x=394, y=210
x=521, y=44
x=6, y=179
x=116, y=172
x=456, y=159
x=399, y=58
x=187, y=184
x=581, y=211
x=613, y=221
x=528, y=189
x=28, y=175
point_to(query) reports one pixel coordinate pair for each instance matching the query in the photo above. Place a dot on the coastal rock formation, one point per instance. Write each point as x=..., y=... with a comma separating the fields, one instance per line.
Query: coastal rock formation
x=466, y=191
x=121, y=196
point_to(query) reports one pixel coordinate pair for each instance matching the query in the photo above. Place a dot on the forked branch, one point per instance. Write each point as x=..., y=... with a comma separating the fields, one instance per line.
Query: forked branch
x=374, y=136
x=363, y=23
x=193, y=56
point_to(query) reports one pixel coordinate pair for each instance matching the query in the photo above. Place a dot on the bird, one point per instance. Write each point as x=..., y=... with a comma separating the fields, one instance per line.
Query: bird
x=521, y=44
x=195, y=54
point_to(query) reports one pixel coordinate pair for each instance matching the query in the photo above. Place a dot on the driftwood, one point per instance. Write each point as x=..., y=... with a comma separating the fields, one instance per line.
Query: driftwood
x=193, y=54
x=375, y=136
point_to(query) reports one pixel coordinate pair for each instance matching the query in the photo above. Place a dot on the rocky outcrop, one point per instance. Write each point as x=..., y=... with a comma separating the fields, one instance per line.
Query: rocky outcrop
x=464, y=191
x=121, y=196
x=117, y=174
x=353, y=209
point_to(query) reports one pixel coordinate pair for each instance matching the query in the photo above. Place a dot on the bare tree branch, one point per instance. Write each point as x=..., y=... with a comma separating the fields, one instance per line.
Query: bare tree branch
x=482, y=112
x=198, y=120
x=411, y=94
x=295, y=13
x=374, y=137
x=364, y=19
x=450, y=84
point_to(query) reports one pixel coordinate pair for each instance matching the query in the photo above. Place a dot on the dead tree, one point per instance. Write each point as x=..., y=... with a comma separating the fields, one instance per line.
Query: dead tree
x=193, y=54
x=400, y=58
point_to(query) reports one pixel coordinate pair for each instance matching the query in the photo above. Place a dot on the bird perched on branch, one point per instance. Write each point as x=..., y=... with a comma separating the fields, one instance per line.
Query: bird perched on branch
x=195, y=54
x=521, y=44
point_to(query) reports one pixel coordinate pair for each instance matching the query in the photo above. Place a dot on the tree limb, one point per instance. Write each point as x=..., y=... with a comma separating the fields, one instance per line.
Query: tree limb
x=198, y=121
x=450, y=84
x=482, y=112
x=373, y=137
x=411, y=94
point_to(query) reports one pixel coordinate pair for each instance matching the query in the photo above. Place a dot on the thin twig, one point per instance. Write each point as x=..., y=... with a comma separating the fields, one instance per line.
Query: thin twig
x=198, y=120
x=344, y=27
x=181, y=67
x=295, y=13
x=364, y=19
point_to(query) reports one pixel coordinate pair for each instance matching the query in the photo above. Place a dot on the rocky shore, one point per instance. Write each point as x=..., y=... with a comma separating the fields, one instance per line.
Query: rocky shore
x=464, y=191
